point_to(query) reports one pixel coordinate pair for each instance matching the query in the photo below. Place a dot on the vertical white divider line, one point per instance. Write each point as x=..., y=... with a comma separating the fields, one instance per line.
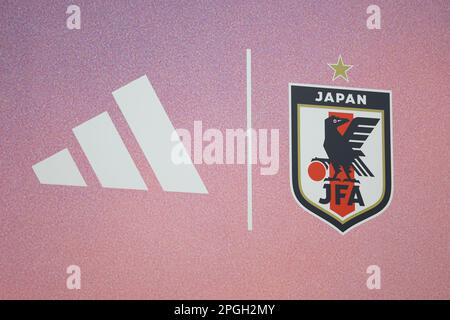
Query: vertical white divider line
x=249, y=143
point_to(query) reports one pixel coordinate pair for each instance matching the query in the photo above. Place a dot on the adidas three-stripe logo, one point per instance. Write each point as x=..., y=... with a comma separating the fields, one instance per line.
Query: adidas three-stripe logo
x=108, y=155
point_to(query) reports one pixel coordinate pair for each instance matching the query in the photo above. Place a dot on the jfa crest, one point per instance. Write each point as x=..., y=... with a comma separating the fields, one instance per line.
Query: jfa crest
x=341, y=151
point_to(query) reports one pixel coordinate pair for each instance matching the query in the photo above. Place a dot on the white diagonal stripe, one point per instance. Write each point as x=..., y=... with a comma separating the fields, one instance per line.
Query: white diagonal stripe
x=107, y=154
x=59, y=169
x=153, y=130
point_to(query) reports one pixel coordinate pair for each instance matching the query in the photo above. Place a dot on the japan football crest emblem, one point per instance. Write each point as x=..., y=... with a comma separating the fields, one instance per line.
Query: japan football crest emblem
x=341, y=156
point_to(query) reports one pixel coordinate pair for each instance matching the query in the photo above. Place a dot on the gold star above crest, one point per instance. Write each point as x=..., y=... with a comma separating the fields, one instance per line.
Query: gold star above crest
x=340, y=69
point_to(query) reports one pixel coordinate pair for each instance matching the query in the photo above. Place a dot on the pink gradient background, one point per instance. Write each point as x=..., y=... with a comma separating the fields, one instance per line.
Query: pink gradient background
x=157, y=245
